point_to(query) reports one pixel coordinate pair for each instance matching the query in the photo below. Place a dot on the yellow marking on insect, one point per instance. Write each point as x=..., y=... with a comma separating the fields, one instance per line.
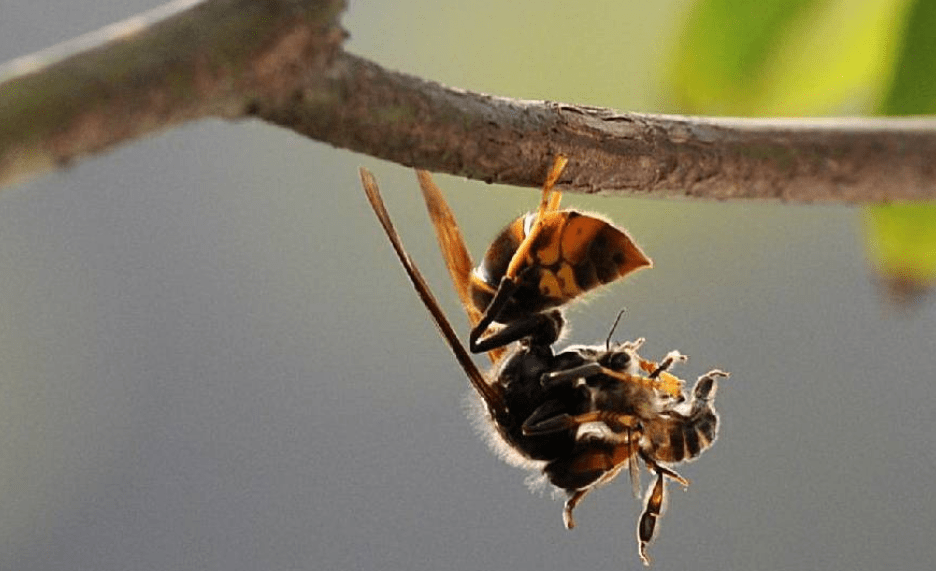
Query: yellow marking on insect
x=577, y=237
x=566, y=277
x=547, y=237
x=546, y=203
x=666, y=383
x=670, y=384
x=549, y=285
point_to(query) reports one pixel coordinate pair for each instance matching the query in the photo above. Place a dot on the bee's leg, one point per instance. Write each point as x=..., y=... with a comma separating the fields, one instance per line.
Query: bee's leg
x=667, y=363
x=663, y=470
x=570, y=504
x=705, y=387
x=700, y=426
x=648, y=519
x=543, y=328
x=606, y=468
x=653, y=509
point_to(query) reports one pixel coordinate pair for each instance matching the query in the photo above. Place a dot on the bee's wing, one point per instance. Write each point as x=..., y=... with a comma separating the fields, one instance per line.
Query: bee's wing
x=491, y=396
x=457, y=259
x=633, y=468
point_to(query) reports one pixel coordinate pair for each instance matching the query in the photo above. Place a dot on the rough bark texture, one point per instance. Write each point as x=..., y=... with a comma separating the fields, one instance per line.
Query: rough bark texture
x=281, y=61
x=404, y=119
x=156, y=71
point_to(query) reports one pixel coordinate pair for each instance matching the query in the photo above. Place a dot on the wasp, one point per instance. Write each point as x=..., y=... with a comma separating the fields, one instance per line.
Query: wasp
x=537, y=263
x=579, y=416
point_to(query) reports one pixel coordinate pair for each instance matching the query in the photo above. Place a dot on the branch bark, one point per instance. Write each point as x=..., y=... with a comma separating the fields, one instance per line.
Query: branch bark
x=281, y=61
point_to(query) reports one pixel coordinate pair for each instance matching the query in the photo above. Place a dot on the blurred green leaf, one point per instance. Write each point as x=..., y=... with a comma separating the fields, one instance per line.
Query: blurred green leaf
x=902, y=244
x=784, y=57
x=810, y=57
x=913, y=88
x=724, y=48
x=902, y=238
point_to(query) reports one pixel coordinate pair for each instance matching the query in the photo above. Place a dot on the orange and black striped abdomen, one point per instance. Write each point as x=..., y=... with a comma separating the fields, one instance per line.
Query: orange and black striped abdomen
x=572, y=254
x=682, y=438
x=487, y=276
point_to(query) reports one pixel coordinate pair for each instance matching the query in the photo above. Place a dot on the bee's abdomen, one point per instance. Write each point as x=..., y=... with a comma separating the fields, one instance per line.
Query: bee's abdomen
x=680, y=438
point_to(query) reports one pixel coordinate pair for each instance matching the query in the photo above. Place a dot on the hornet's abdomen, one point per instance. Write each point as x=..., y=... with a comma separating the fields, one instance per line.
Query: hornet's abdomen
x=572, y=254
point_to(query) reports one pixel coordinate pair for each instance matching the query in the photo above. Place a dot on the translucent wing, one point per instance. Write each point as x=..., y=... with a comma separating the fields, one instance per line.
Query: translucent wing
x=492, y=397
x=454, y=252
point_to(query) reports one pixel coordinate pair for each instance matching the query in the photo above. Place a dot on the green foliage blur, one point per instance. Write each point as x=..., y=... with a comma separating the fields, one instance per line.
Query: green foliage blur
x=821, y=57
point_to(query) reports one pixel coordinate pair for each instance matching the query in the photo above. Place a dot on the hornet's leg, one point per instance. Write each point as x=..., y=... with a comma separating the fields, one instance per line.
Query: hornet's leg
x=544, y=328
x=512, y=278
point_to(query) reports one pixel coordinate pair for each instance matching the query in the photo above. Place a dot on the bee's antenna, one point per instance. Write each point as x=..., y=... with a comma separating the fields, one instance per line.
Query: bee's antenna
x=613, y=327
x=671, y=358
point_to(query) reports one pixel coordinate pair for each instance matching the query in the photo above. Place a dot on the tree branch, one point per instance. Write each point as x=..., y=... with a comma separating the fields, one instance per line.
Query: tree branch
x=178, y=63
x=281, y=61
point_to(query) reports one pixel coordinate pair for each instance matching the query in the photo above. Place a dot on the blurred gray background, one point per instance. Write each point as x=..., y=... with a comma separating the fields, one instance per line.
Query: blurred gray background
x=210, y=359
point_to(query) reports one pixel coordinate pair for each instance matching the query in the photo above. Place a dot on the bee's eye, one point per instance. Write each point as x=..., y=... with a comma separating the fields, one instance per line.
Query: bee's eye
x=617, y=361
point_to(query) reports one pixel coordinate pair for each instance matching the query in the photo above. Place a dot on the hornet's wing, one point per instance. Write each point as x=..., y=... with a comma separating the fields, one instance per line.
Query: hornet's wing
x=492, y=397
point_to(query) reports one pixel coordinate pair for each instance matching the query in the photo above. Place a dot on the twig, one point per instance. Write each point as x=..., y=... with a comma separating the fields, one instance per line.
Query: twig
x=281, y=61
x=152, y=72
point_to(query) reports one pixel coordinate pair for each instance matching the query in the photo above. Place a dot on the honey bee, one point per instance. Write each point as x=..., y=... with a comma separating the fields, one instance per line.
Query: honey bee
x=579, y=416
x=627, y=413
